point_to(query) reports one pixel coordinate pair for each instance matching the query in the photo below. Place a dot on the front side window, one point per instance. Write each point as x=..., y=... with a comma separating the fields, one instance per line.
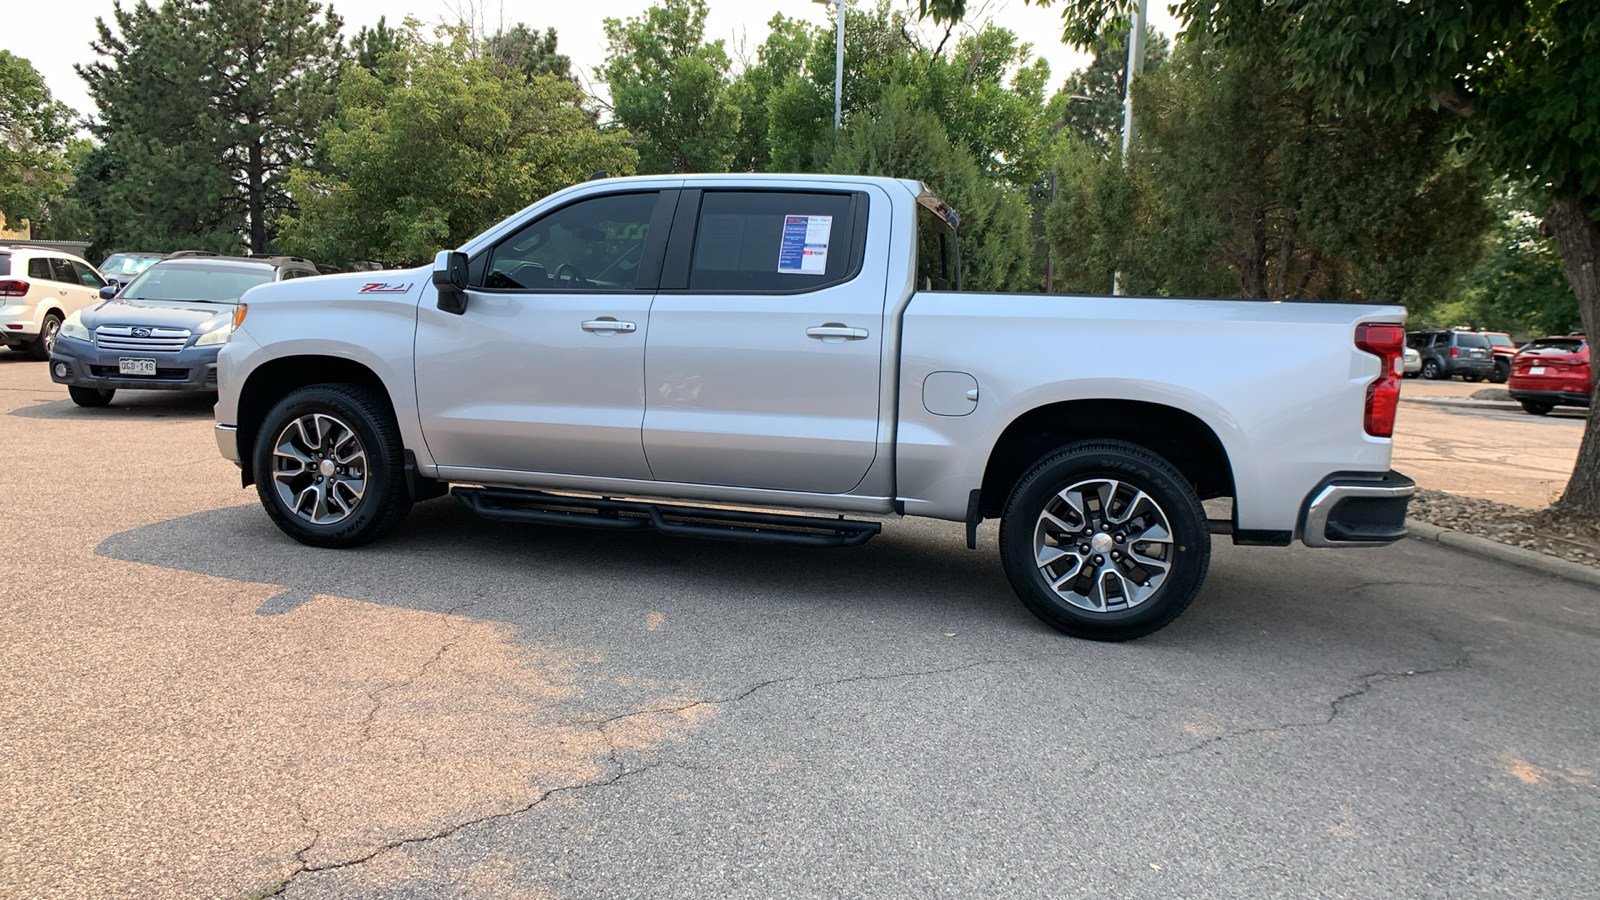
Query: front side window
x=772, y=242
x=592, y=245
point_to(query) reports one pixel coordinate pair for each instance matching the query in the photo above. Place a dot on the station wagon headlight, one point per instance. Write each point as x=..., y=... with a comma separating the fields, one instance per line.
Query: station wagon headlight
x=217, y=335
x=74, y=328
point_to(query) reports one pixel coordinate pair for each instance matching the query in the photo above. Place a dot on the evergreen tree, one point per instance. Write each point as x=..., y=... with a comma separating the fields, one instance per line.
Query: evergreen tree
x=204, y=108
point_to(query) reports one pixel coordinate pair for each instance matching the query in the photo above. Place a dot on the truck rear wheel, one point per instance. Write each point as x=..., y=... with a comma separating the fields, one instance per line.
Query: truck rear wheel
x=1105, y=540
x=329, y=466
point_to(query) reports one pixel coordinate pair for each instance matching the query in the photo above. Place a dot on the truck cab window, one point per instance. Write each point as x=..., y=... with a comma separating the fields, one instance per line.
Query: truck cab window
x=937, y=259
x=592, y=245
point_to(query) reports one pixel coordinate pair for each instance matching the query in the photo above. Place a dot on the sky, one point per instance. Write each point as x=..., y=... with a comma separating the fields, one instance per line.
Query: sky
x=56, y=35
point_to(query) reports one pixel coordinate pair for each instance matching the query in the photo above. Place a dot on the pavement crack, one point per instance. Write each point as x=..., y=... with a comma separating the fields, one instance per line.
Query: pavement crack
x=1336, y=706
x=919, y=673
x=376, y=695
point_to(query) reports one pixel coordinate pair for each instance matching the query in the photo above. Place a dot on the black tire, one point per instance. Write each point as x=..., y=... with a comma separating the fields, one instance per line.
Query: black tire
x=383, y=500
x=1431, y=370
x=40, y=346
x=1023, y=524
x=1502, y=371
x=1537, y=407
x=91, y=397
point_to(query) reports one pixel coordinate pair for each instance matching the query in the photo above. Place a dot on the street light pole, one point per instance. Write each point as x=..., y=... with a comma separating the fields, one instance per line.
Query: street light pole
x=838, y=61
x=1135, y=66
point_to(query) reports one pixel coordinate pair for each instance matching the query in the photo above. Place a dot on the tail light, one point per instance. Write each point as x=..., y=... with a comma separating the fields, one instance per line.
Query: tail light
x=1387, y=343
x=1455, y=352
x=13, y=288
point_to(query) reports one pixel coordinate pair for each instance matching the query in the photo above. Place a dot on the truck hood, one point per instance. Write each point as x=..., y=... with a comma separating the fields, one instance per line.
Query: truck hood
x=393, y=284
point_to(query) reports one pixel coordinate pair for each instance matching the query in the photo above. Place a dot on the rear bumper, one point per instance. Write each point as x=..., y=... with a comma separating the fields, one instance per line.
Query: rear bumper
x=1357, y=509
x=1563, y=398
x=1459, y=366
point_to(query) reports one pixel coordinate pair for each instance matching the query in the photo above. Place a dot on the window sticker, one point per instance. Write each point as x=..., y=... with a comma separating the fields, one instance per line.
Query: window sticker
x=804, y=249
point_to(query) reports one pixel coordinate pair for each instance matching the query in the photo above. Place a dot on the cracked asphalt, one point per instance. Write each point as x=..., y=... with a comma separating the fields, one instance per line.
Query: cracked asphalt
x=197, y=707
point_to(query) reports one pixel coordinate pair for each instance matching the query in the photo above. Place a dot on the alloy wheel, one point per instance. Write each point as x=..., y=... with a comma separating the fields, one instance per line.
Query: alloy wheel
x=1103, y=545
x=319, y=468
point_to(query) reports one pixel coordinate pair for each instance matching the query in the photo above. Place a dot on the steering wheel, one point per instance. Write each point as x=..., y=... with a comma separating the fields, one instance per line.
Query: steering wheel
x=576, y=277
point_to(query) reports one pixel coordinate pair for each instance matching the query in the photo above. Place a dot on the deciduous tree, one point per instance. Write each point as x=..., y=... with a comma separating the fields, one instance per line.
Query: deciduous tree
x=34, y=128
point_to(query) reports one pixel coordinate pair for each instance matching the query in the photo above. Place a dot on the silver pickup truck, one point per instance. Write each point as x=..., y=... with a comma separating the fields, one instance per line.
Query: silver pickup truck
x=790, y=359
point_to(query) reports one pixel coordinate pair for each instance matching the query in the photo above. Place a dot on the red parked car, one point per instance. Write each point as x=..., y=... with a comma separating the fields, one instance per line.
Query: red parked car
x=1504, y=350
x=1551, y=372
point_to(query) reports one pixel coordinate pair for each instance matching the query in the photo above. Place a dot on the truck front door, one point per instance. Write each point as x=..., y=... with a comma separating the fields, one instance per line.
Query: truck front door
x=763, y=359
x=543, y=372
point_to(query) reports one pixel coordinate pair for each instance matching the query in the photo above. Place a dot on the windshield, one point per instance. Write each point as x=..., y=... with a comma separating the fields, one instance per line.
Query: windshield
x=191, y=283
x=127, y=264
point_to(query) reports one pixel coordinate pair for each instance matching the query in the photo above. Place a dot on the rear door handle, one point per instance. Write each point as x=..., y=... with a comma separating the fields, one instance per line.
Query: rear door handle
x=608, y=325
x=836, y=332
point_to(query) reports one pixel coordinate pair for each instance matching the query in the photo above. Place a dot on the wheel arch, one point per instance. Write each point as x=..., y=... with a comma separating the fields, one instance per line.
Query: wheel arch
x=1178, y=436
x=276, y=379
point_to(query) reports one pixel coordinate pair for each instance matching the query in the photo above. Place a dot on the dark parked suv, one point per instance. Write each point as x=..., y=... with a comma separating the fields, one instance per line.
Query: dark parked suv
x=1447, y=353
x=164, y=329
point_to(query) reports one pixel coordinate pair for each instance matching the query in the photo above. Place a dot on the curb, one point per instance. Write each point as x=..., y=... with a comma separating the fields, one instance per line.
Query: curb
x=1505, y=553
x=1464, y=402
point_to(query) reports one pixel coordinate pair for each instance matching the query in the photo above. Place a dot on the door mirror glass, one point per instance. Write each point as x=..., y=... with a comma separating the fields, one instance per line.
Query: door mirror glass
x=107, y=292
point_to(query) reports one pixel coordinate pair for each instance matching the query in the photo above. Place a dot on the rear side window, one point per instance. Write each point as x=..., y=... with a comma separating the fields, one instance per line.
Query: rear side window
x=63, y=271
x=5, y=264
x=773, y=242
x=39, y=268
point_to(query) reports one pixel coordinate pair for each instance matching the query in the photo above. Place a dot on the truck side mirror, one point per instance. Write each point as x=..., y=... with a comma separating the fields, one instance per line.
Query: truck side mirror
x=450, y=278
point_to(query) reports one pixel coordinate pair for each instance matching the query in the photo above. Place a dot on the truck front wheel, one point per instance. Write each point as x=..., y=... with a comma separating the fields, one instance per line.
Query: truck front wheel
x=329, y=466
x=1105, y=540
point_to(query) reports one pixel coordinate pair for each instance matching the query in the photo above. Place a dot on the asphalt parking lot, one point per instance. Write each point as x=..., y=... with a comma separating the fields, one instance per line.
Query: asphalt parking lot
x=198, y=707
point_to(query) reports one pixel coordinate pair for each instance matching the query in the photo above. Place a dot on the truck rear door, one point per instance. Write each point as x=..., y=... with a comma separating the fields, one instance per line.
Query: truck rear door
x=763, y=355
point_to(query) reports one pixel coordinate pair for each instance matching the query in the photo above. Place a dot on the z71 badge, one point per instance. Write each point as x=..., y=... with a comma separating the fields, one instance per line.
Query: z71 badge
x=384, y=287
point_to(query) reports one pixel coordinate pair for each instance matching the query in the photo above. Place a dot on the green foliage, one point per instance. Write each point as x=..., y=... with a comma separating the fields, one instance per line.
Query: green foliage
x=439, y=144
x=671, y=89
x=1235, y=172
x=902, y=140
x=780, y=59
x=34, y=129
x=1518, y=286
x=1097, y=119
x=528, y=51
x=204, y=109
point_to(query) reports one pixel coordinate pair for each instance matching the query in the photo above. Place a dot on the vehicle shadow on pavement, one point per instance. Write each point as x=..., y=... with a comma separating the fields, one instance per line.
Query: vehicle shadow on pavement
x=444, y=559
x=915, y=578
x=127, y=405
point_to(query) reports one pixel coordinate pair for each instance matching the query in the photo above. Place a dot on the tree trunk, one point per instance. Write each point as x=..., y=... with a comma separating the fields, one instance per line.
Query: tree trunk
x=255, y=170
x=1570, y=221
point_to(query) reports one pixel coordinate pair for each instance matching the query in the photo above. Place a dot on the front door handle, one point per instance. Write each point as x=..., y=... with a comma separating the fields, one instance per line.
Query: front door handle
x=836, y=332
x=608, y=325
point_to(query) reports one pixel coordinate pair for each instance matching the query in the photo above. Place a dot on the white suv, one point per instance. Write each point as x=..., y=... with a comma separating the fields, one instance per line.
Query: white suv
x=39, y=288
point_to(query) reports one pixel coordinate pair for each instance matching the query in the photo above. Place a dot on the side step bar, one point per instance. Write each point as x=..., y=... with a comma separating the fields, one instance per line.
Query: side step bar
x=683, y=521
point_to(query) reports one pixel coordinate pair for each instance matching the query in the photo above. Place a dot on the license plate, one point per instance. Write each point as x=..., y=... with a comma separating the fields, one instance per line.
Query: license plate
x=1536, y=370
x=130, y=366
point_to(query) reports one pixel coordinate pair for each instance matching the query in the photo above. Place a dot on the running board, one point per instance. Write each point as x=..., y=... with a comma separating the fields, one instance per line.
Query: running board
x=682, y=521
